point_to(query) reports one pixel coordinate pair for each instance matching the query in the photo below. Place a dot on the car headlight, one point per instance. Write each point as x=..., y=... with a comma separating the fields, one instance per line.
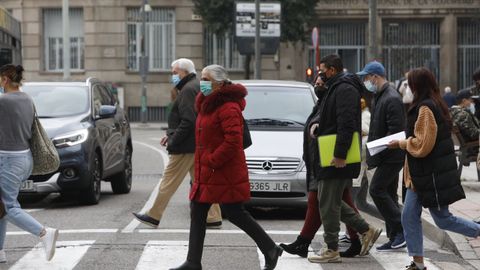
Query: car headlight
x=71, y=138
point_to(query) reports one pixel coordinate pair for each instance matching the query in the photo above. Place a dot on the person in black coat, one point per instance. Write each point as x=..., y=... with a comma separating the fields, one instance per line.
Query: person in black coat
x=180, y=143
x=339, y=114
x=387, y=118
x=430, y=170
x=312, y=218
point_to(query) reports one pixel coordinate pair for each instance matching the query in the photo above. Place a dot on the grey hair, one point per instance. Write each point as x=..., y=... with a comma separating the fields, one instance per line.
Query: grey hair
x=185, y=64
x=217, y=72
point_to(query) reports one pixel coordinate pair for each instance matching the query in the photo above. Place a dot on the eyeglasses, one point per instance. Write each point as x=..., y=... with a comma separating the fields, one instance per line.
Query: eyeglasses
x=205, y=79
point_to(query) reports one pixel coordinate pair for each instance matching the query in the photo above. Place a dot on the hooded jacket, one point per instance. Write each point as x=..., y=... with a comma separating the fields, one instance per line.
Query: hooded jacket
x=339, y=114
x=221, y=174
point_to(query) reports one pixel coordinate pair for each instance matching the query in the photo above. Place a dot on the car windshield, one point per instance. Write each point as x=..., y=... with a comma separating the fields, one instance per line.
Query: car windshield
x=278, y=106
x=53, y=101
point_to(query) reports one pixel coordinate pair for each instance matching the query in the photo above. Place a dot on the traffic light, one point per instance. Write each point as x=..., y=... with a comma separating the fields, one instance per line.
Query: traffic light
x=309, y=73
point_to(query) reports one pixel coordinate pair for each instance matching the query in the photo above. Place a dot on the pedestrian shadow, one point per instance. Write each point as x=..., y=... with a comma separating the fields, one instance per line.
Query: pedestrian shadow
x=58, y=201
x=277, y=213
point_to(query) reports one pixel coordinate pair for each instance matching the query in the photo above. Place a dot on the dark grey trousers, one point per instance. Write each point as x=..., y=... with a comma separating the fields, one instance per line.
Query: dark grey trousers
x=333, y=210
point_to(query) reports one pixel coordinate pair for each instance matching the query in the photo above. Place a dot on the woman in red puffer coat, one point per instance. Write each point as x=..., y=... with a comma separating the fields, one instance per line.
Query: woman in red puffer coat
x=221, y=174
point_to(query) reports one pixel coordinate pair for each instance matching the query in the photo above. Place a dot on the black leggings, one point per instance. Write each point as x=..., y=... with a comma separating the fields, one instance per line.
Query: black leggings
x=237, y=214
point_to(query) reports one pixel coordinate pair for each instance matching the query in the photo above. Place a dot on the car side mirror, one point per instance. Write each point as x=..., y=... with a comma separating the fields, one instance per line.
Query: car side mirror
x=107, y=111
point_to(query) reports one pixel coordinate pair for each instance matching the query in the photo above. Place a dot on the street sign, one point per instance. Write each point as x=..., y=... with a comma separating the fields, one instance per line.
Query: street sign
x=315, y=37
x=270, y=14
x=269, y=19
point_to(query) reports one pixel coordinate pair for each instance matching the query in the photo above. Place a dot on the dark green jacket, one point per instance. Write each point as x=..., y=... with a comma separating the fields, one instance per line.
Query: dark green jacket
x=182, y=117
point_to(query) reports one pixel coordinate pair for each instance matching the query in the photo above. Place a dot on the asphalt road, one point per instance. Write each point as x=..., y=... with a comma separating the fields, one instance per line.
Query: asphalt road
x=106, y=236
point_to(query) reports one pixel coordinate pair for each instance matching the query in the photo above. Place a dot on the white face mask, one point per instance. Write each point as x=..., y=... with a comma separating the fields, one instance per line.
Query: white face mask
x=472, y=108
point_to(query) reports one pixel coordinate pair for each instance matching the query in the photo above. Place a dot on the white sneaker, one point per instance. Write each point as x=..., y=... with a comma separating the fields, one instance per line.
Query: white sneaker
x=49, y=242
x=3, y=256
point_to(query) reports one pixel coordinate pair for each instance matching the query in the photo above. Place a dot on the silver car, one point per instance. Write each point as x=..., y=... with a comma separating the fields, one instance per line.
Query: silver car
x=276, y=113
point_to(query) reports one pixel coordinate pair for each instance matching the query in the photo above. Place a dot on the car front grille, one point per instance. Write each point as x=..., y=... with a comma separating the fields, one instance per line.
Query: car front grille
x=41, y=178
x=273, y=165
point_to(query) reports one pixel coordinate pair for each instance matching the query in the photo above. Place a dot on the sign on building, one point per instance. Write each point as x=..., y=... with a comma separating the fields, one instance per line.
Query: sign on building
x=269, y=20
x=270, y=14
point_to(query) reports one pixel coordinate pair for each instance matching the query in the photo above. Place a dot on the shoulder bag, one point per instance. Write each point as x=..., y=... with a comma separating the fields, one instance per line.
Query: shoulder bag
x=44, y=153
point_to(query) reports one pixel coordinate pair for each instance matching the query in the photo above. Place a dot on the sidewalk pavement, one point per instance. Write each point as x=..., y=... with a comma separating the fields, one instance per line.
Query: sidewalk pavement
x=148, y=126
x=469, y=208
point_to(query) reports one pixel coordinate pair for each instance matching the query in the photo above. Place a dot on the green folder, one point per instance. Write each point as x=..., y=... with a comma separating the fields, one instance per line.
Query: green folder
x=326, y=148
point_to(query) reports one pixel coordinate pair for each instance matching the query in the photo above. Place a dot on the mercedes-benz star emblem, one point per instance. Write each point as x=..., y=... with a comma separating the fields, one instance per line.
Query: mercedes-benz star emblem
x=267, y=165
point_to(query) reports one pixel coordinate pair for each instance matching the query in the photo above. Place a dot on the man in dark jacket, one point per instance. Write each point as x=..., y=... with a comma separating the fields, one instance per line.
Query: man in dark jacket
x=339, y=114
x=388, y=117
x=180, y=143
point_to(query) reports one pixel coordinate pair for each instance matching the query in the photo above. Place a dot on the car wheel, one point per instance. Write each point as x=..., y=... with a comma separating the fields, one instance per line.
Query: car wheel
x=122, y=182
x=91, y=195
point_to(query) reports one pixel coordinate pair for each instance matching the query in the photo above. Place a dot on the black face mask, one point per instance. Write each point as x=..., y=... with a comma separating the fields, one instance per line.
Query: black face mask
x=323, y=76
x=319, y=90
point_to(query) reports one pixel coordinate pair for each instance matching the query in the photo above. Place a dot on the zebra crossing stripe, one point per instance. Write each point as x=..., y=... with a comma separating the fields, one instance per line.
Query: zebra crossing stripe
x=288, y=262
x=134, y=223
x=163, y=255
x=67, y=256
x=396, y=259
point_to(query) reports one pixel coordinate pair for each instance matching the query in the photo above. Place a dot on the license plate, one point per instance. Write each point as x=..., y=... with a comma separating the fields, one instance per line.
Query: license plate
x=27, y=186
x=270, y=186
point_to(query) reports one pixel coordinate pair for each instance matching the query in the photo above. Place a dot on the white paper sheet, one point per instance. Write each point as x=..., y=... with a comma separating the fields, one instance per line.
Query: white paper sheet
x=377, y=146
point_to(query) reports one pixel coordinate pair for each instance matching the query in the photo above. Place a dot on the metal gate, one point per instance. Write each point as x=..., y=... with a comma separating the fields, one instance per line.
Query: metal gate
x=468, y=50
x=410, y=44
x=347, y=39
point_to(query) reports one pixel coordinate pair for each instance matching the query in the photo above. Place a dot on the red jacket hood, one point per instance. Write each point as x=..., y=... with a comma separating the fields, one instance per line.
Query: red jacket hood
x=230, y=92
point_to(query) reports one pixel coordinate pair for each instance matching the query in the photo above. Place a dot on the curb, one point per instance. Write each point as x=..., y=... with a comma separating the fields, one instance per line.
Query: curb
x=450, y=240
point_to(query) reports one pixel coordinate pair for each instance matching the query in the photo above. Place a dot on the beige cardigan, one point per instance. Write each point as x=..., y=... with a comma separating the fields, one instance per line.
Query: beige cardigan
x=423, y=141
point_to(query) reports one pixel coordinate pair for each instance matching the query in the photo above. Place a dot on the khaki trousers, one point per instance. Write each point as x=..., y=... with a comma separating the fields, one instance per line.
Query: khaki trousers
x=177, y=169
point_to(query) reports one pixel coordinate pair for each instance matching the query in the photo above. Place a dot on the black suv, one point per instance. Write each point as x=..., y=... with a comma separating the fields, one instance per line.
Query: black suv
x=92, y=136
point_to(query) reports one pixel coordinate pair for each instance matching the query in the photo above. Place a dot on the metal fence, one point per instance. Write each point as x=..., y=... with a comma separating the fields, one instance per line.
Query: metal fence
x=159, y=38
x=154, y=114
x=222, y=50
x=410, y=44
x=468, y=50
x=347, y=39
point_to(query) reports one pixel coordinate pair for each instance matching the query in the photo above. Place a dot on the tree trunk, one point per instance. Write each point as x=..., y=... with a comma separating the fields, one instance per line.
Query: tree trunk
x=248, y=59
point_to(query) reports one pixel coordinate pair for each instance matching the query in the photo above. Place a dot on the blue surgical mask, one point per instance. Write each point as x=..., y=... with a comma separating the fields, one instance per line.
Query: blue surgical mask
x=2, y=90
x=175, y=79
x=370, y=86
x=206, y=87
x=472, y=108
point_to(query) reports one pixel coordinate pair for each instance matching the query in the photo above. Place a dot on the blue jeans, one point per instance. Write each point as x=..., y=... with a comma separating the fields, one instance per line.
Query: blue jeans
x=412, y=224
x=14, y=169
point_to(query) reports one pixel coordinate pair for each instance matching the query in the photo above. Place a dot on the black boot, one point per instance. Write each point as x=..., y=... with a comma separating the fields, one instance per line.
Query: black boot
x=353, y=250
x=188, y=266
x=271, y=258
x=299, y=247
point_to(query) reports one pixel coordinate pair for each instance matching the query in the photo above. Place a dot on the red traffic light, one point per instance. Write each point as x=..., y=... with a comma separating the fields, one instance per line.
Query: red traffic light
x=309, y=72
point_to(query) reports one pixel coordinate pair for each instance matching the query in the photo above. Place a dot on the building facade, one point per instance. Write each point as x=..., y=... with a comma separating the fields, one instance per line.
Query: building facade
x=10, y=36
x=105, y=42
x=443, y=35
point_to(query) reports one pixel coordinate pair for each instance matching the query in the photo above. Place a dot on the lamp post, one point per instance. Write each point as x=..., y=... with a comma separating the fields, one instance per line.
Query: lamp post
x=66, y=39
x=144, y=61
x=258, y=53
x=372, y=37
